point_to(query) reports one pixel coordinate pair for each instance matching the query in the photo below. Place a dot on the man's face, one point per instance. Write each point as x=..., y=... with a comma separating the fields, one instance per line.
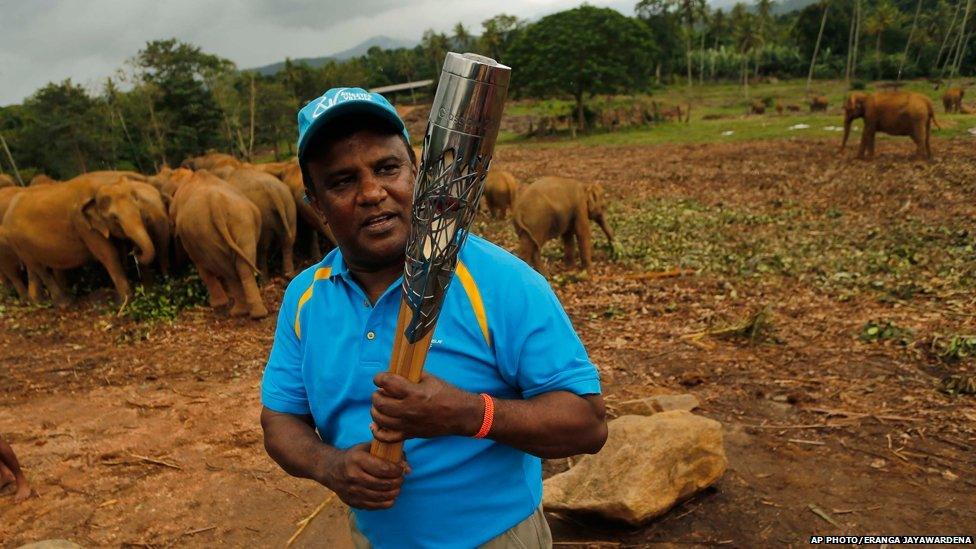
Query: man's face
x=363, y=184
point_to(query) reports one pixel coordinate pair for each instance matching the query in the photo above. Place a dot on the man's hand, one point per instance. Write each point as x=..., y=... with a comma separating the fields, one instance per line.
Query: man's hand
x=431, y=408
x=362, y=480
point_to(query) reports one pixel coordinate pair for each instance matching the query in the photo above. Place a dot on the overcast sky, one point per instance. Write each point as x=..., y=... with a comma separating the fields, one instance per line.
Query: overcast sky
x=45, y=41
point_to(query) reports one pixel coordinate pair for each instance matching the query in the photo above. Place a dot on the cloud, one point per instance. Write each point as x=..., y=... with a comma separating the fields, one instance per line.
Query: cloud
x=88, y=41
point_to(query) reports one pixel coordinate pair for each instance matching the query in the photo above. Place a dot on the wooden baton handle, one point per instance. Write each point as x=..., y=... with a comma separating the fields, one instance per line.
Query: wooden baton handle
x=407, y=360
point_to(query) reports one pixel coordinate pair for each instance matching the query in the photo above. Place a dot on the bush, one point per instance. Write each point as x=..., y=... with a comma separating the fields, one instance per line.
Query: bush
x=165, y=299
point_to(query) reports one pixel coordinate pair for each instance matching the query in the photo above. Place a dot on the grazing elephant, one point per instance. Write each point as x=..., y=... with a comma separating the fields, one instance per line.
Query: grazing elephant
x=757, y=107
x=557, y=206
x=278, y=221
x=7, y=181
x=154, y=208
x=311, y=224
x=894, y=113
x=211, y=161
x=819, y=103
x=952, y=100
x=500, y=192
x=58, y=227
x=219, y=228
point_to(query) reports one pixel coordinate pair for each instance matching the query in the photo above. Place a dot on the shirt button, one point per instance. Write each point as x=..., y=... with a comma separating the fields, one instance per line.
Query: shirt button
x=371, y=335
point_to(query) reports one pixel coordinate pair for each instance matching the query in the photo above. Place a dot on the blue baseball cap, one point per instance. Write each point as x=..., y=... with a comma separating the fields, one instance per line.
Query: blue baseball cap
x=339, y=101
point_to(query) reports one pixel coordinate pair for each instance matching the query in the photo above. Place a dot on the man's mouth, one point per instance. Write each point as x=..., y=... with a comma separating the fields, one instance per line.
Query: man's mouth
x=379, y=223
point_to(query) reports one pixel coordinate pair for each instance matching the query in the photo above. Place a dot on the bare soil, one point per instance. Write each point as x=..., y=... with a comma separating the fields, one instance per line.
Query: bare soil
x=147, y=434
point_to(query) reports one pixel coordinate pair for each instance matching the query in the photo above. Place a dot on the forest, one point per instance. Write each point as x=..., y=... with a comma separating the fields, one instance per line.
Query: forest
x=172, y=100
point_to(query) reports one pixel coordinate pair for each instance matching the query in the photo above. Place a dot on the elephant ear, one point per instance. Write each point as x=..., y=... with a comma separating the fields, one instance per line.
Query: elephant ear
x=94, y=219
x=593, y=204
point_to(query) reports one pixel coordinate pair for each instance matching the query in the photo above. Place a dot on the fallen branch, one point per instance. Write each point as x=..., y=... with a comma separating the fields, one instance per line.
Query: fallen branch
x=302, y=524
x=801, y=441
x=846, y=413
x=155, y=461
x=822, y=514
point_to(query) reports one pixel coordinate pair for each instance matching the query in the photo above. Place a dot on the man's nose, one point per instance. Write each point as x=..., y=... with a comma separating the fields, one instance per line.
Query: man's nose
x=372, y=190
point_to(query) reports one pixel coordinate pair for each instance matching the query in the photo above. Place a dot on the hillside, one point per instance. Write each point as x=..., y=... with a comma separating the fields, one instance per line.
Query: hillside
x=384, y=42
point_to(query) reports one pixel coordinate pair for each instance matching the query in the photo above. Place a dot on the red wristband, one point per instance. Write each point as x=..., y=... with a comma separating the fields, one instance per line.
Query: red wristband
x=489, y=417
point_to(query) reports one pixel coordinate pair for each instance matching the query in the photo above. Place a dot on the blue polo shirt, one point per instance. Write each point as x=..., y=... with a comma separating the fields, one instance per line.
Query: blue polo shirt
x=501, y=331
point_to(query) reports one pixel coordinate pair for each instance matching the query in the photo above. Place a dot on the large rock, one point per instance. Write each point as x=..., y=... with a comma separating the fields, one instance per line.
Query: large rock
x=648, y=464
x=656, y=404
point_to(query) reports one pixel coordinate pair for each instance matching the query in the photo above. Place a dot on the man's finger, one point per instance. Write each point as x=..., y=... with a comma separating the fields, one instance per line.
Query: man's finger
x=384, y=421
x=384, y=403
x=388, y=436
x=382, y=469
x=393, y=385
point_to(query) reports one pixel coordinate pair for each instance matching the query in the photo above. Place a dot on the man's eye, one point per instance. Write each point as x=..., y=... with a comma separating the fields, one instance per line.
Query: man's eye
x=340, y=183
x=389, y=169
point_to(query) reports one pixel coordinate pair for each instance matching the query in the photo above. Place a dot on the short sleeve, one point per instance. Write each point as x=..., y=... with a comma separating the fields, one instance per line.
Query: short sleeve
x=538, y=350
x=283, y=386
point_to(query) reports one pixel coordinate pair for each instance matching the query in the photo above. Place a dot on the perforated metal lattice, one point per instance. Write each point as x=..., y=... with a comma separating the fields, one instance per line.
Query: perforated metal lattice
x=444, y=205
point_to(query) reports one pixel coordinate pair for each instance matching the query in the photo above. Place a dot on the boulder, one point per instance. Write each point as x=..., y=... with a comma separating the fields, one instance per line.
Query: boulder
x=648, y=464
x=657, y=403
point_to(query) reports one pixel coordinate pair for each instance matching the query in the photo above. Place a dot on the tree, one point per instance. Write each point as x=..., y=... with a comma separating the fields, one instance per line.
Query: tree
x=435, y=46
x=184, y=109
x=581, y=52
x=497, y=35
x=747, y=37
x=64, y=132
x=678, y=10
x=462, y=39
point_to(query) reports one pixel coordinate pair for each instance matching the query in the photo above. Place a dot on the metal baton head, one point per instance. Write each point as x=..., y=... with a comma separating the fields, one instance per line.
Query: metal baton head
x=458, y=146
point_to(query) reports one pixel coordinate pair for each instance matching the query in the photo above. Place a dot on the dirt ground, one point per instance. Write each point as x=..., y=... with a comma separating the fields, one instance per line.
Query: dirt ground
x=147, y=435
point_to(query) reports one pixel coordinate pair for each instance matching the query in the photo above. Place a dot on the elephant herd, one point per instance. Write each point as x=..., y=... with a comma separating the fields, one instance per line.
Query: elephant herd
x=226, y=217
x=229, y=219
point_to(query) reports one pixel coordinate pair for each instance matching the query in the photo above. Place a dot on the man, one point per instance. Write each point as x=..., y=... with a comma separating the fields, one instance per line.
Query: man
x=10, y=473
x=501, y=333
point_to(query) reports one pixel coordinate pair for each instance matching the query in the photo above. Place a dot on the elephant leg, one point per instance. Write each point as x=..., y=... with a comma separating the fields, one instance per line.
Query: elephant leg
x=53, y=288
x=106, y=254
x=918, y=136
x=12, y=277
x=252, y=294
x=33, y=286
x=569, y=248
x=528, y=251
x=215, y=290
x=236, y=290
x=287, y=256
x=585, y=240
x=264, y=245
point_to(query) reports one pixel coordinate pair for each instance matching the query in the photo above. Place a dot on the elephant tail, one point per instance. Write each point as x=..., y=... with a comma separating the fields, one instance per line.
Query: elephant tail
x=281, y=210
x=932, y=117
x=220, y=216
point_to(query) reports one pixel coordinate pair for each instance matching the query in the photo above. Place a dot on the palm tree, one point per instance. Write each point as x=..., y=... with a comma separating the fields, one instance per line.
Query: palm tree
x=462, y=38
x=747, y=36
x=885, y=16
x=911, y=34
x=816, y=48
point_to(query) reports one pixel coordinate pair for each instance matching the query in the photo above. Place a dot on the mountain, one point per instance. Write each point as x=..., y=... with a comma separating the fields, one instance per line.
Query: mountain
x=384, y=42
x=779, y=8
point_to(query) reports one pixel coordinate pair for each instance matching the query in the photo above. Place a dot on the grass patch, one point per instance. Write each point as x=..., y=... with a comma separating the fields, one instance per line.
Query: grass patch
x=877, y=330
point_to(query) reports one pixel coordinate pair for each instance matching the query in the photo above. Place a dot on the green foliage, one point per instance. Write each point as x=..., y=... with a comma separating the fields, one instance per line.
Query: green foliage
x=165, y=299
x=858, y=85
x=877, y=330
x=954, y=348
x=581, y=52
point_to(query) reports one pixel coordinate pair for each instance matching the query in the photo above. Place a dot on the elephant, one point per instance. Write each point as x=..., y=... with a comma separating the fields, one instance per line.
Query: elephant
x=819, y=103
x=211, y=161
x=219, y=228
x=558, y=206
x=278, y=218
x=501, y=191
x=276, y=169
x=952, y=100
x=894, y=113
x=58, y=227
x=311, y=223
x=41, y=179
x=7, y=181
x=757, y=107
x=10, y=265
x=109, y=176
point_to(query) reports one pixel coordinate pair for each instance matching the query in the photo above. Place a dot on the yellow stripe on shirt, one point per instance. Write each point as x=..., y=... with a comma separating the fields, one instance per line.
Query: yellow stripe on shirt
x=320, y=274
x=474, y=296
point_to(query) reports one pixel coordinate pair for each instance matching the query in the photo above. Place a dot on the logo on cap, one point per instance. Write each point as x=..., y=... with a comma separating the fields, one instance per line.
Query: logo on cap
x=341, y=95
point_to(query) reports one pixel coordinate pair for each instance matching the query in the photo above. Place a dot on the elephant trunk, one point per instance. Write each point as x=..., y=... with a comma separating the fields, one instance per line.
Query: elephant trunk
x=136, y=232
x=847, y=129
